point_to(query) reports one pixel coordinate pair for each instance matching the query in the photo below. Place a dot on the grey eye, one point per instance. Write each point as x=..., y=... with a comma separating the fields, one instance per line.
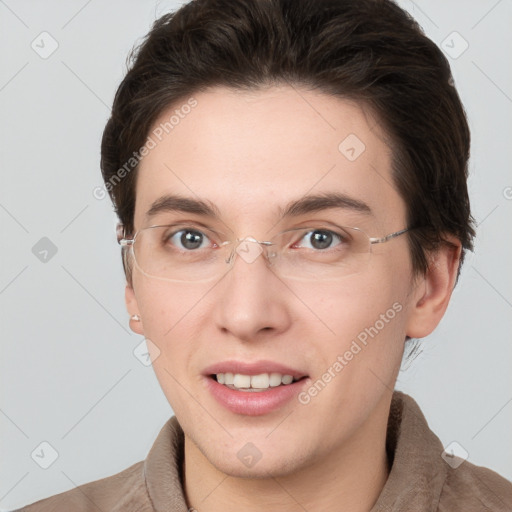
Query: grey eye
x=321, y=239
x=189, y=239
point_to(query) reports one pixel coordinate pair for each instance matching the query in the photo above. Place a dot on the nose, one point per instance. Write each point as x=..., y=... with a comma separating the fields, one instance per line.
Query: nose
x=251, y=302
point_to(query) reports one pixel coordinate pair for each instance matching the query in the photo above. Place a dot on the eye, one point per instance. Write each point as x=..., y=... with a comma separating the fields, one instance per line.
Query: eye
x=188, y=239
x=321, y=239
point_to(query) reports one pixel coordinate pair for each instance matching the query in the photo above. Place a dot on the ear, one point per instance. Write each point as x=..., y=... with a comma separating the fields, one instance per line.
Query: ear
x=433, y=291
x=133, y=309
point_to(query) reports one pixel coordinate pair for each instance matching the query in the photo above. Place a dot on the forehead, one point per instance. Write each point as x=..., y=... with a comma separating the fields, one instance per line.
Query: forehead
x=253, y=152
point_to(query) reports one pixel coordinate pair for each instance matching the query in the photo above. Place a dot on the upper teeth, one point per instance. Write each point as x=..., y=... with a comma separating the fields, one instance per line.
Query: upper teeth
x=261, y=381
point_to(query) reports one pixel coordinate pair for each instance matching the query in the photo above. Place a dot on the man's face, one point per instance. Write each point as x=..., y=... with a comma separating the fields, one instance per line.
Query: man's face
x=250, y=154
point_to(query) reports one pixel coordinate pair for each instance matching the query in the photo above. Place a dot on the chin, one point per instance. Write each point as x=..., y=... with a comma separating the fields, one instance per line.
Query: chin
x=276, y=466
x=263, y=458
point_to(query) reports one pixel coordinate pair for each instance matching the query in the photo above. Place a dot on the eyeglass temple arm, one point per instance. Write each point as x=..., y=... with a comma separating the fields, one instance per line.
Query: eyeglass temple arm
x=388, y=237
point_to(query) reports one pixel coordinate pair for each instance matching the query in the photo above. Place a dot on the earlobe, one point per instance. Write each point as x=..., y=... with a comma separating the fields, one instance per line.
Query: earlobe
x=133, y=310
x=433, y=291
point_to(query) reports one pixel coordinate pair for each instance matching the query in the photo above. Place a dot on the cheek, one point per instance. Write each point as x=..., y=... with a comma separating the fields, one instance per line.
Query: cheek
x=171, y=315
x=365, y=353
x=367, y=315
x=164, y=305
x=356, y=365
x=358, y=302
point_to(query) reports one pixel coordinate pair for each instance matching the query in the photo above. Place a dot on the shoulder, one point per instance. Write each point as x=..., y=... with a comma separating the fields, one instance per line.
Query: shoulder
x=424, y=477
x=143, y=487
x=470, y=487
x=124, y=491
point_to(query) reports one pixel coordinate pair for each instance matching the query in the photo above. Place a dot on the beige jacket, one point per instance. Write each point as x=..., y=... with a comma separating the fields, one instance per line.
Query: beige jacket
x=420, y=478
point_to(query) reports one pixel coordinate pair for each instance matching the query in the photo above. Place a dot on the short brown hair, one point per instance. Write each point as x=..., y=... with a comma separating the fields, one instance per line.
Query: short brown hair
x=366, y=50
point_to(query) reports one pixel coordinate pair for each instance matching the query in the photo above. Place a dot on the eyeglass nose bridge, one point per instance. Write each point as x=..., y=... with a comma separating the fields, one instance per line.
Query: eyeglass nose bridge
x=249, y=252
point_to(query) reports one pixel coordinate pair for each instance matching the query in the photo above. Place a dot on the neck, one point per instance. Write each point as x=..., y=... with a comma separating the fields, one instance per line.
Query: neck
x=350, y=478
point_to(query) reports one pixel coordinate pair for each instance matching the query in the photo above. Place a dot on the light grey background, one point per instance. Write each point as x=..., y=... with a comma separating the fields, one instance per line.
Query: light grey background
x=68, y=373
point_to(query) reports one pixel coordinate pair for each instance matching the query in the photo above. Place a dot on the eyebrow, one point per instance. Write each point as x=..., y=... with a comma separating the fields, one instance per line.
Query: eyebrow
x=326, y=201
x=295, y=208
x=175, y=203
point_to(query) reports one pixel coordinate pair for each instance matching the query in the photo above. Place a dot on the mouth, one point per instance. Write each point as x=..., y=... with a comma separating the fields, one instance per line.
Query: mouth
x=253, y=389
x=254, y=383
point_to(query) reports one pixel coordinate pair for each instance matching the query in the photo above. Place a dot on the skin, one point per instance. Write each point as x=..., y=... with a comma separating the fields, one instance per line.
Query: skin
x=249, y=152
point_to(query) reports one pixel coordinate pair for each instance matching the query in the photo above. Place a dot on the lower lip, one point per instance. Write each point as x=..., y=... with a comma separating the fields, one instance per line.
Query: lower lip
x=254, y=403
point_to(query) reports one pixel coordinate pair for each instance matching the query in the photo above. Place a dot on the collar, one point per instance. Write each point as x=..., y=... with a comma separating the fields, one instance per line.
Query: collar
x=418, y=471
